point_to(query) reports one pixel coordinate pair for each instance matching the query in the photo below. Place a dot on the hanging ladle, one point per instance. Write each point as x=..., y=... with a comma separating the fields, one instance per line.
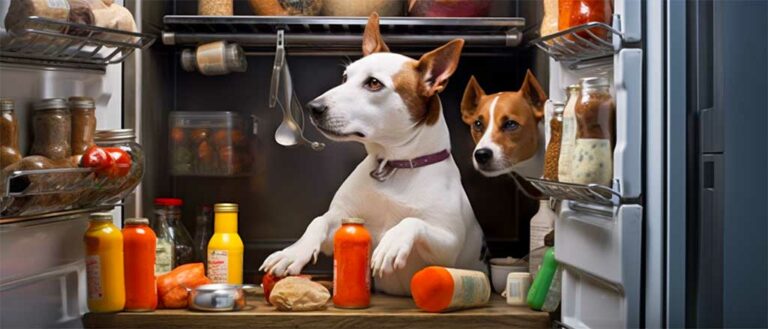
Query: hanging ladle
x=290, y=132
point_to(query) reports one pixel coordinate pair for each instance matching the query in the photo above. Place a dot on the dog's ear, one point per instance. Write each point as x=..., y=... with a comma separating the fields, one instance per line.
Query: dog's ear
x=472, y=95
x=372, y=41
x=534, y=94
x=438, y=65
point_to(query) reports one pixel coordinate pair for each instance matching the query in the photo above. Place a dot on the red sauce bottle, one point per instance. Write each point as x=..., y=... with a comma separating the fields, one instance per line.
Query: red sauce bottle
x=585, y=11
x=352, y=265
x=139, y=263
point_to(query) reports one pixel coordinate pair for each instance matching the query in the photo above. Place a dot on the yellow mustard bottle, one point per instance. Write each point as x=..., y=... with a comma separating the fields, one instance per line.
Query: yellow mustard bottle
x=104, y=265
x=225, y=249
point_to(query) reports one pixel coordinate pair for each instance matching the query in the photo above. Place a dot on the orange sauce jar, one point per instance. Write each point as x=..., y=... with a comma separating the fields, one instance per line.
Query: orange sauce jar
x=139, y=250
x=352, y=265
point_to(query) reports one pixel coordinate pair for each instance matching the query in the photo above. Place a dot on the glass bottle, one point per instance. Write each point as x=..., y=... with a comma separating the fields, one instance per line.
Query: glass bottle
x=9, y=134
x=52, y=126
x=164, y=248
x=595, y=130
x=83, y=112
x=168, y=210
x=203, y=233
x=552, y=153
x=225, y=250
x=352, y=265
x=104, y=265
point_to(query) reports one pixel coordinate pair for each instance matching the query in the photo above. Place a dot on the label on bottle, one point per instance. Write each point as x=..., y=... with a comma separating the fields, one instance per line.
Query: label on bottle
x=93, y=277
x=470, y=288
x=163, y=257
x=567, y=141
x=218, y=266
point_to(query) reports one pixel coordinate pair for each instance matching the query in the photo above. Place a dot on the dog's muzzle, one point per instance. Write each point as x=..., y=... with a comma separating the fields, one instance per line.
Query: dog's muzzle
x=317, y=108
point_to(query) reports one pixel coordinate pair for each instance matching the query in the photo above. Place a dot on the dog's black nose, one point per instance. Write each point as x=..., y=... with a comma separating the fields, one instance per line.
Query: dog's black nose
x=483, y=155
x=317, y=108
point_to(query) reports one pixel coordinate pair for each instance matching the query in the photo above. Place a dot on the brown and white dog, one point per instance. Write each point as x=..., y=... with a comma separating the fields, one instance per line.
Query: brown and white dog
x=508, y=128
x=418, y=215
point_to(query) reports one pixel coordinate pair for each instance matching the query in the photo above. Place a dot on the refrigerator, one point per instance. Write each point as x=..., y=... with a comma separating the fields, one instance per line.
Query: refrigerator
x=677, y=240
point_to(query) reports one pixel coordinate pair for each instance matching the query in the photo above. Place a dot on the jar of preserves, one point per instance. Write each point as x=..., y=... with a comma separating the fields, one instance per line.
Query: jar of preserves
x=595, y=133
x=52, y=127
x=168, y=217
x=9, y=134
x=352, y=265
x=83, y=112
x=139, y=250
x=118, y=188
x=215, y=58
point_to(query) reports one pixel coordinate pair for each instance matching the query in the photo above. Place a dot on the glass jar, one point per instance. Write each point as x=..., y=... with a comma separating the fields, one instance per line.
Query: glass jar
x=215, y=58
x=552, y=153
x=52, y=126
x=595, y=133
x=9, y=134
x=203, y=232
x=116, y=189
x=168, y=215
x=579, y=12
x=83, y=112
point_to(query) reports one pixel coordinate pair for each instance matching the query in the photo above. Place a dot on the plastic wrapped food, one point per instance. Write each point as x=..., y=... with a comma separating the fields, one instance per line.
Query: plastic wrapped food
x=299, y=294
x=286, y=7
x=363, y=7
x=172, y=287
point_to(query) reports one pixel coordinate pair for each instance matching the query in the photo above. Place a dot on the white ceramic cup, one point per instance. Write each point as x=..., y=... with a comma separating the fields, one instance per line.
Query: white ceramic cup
x=501, y=267
x=518, y=284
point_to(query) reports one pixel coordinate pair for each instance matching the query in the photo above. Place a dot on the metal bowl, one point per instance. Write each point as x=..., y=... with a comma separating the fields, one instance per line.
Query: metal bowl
x=218, y=297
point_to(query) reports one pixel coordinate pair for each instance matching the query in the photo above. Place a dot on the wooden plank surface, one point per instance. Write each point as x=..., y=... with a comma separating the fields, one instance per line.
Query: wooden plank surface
x=385, y=312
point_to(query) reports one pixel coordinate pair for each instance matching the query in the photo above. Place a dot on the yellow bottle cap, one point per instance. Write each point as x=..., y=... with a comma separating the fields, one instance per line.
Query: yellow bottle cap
x=225, y=207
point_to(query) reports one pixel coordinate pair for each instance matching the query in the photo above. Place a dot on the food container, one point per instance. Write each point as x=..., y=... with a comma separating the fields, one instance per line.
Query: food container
x=215, y=58
x=595, y=133
x=286, y=7
x=500, y=269
x=215, y=7
x=454, y=8
x=209, y=144
x=51, y=125
x=116, y=189
x=363, y=7
x=218, y=297
x=83, y=113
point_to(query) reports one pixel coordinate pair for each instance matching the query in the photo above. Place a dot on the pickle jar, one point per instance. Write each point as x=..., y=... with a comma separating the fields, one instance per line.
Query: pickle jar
x=52, y=125
x=83, y=112
x=595, y=133
x=120, y=187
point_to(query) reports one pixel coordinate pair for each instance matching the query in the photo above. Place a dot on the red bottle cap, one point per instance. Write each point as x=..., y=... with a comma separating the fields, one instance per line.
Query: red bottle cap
x=168, y=202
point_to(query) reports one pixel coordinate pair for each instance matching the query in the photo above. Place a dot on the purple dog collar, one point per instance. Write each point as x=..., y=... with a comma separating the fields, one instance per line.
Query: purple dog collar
x=383, y=172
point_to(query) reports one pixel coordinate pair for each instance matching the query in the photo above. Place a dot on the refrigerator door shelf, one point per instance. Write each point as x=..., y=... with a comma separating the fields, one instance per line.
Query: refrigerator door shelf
x=600, y=251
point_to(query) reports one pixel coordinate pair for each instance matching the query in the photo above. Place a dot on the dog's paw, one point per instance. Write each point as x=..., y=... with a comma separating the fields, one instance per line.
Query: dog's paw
x=289, y=261
x=393, y=250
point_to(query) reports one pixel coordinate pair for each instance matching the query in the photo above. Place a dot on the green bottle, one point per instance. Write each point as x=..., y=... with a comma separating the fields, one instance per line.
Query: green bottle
x=537, y=295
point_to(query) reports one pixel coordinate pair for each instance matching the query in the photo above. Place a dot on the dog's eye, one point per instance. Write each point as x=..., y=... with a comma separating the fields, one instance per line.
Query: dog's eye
x=373, y=84
x=510, y=125
x=344, y=78
x=478, y=126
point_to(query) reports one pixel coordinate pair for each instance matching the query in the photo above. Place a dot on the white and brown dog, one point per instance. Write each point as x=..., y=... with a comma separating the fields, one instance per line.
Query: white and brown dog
x=408, y=189
x=508, y=128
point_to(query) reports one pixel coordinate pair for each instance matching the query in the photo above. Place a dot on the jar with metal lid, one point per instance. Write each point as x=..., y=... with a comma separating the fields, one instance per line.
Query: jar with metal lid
x=595, y=133
x=52, y=125
x=9, y=134
x=118, y=188
x=552, y=153
x=83, y=112
x=215, y=58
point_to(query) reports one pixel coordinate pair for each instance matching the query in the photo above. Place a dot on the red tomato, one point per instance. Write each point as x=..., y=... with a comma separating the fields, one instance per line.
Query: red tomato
x=97, y=157
x=177, y=135
x=122, y=161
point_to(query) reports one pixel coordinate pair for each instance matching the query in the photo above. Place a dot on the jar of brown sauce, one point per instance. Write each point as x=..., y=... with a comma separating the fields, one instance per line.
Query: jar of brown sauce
x=9, y=134
x=52, y=126
x=595, y=133
x=83, y=112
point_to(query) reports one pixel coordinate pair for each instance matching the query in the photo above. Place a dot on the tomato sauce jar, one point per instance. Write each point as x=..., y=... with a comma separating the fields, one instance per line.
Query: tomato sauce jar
x=139, y=264
x=352, y=265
